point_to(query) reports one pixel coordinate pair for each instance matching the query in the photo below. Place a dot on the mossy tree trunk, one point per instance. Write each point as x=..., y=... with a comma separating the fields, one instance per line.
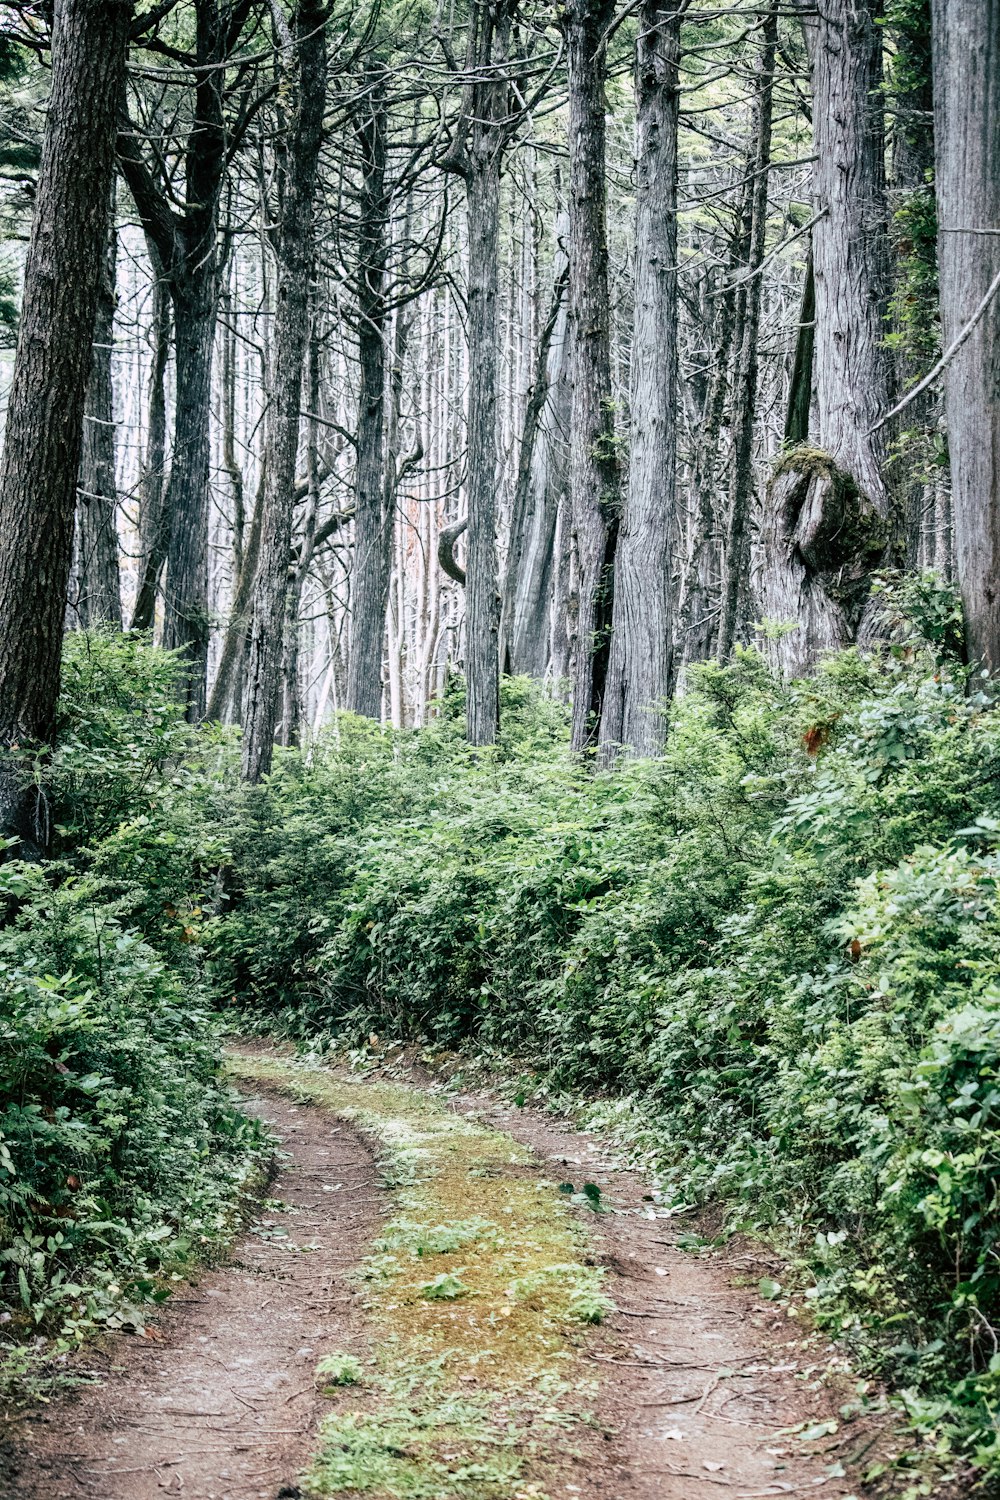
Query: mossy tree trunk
x=826, y=513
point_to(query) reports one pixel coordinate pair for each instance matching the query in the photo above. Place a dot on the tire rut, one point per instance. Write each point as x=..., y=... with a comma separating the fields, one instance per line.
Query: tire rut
x=220, y=1403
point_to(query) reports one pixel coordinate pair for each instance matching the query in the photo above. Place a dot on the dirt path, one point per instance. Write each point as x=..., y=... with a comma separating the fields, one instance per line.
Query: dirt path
x=224, y=1407
x=704, y=1379
x=703, y=1389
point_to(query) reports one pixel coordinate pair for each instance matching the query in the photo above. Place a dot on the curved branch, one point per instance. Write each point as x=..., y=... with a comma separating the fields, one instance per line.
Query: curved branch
x=446, y=549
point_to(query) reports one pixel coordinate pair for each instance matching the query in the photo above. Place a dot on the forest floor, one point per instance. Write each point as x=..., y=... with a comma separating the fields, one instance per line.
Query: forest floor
x=419, y=1236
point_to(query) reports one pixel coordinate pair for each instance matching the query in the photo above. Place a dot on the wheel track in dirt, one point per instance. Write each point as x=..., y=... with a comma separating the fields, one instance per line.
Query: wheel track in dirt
x=700, y=1381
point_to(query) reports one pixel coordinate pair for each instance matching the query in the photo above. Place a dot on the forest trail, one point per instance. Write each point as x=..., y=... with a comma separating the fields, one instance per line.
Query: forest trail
x=691, y=1388
x=223, y=1403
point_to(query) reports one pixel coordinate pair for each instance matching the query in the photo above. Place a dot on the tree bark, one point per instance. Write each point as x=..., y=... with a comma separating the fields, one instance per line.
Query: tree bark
x=595, y=478
x=40, y=464
x=639, y=669
x=825, y=520
x=152, y=514
x=527, y=580
x=291, y=335
x=185, y=246
x=483, y=132
x=372, y=522
x=98, y=600
x=736, y=553
x=966, y=39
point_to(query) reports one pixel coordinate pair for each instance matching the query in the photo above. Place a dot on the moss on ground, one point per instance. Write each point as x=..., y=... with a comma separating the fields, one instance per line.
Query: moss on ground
x=478, y=1292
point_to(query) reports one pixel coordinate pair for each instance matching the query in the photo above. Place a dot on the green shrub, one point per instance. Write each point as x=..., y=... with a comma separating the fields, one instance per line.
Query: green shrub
x=779, y=942
x=122, y=1151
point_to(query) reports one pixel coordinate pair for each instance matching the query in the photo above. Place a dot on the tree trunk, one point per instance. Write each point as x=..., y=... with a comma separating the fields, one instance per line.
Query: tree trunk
x=291, y=695
x=152, y=513
x=483, y=131
x=527, y=581
x=639, y=670
x=44, y=431
x=967, y=180
x=185, y=246
x=825, y=519
x=372, y=523
x=186, y=502
x=482, y=600
x=736, y=555
x=800, y=388
x=595, y=479
x=700, y=608
x=291, y=335
x=98, y=599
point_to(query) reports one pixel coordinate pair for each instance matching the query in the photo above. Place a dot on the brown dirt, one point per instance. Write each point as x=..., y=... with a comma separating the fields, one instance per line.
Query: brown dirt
x=222, y=1406
x=700, y=1380
x=703, y=1379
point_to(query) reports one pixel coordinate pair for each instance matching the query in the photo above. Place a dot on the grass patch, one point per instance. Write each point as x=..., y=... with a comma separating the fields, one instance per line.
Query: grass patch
x=478, y=1290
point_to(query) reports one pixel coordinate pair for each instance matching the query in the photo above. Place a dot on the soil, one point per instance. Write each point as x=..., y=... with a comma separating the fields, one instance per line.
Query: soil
x=702, y=1381
x=222, y=1405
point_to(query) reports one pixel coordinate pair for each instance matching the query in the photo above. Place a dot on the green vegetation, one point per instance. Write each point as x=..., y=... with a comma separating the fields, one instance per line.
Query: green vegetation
x=772, y=956
x=474, y=1318
x=123, y=1159
x=770, y=961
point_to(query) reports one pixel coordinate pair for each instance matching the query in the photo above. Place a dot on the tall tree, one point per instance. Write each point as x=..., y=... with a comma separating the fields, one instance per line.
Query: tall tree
x=639, y=666
x=736, y=555
x=966, y=37
x=98, y=582
x=538, y=488
x=185, y=250
x=639, y=669
x=595, y=471
x=39, y=468
x=373, y=519
x=482, y=134
x=825, y=519
x=291, y=336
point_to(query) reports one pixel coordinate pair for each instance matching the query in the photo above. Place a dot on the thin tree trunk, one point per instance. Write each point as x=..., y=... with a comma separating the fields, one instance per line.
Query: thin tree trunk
x=800, y=390
x=44, y=431
x=291, y=335
x=736, y=556
x=186, y=502
x=153, y=530
x=482, y=601
x=527, y=581
x=369, y=583
x=98, y=580
x=292, y=708
x=967, y=180
x=639, y=670
x=700, y=609
x=595, y=478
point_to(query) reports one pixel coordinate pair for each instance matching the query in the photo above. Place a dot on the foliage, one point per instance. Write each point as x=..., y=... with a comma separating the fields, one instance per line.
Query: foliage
x=781, y=941
x=122, y=1155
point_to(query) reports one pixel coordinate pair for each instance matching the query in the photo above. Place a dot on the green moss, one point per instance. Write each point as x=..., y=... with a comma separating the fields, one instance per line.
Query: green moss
x=804, y=459
x=473, y=1365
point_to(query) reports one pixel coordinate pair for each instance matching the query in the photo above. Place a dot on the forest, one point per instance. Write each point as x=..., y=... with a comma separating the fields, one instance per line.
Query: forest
x=500, y=710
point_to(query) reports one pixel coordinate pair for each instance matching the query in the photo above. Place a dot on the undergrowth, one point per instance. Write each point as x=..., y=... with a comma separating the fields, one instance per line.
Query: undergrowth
x=123, y=1157
x=771, y=955
x=774, y=953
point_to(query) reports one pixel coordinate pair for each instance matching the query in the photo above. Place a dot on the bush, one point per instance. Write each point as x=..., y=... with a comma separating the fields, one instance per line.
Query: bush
x=122, y=1154
x=780, y=942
